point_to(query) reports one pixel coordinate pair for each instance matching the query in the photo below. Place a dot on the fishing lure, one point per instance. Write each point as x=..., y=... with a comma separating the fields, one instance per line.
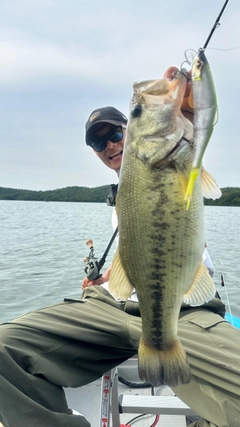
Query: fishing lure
x=203, y=100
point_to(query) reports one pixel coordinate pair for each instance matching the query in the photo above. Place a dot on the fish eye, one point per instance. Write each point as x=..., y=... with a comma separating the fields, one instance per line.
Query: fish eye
x=136, y=111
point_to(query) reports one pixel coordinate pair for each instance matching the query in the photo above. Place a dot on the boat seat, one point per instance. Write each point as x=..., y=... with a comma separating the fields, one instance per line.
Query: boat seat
x=114, y=403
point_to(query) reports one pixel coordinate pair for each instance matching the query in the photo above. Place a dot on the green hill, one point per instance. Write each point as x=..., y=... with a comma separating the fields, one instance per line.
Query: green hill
x=68, y=194
x=230, y=195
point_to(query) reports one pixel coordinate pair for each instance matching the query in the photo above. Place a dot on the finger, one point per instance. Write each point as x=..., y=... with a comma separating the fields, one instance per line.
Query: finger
x=91, y=283
x=170, y=73
x=85, y=283
x=188, y=89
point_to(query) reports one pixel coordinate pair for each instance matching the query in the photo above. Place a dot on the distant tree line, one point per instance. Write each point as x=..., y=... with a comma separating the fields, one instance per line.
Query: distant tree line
x=68, y=194
x=230, y=195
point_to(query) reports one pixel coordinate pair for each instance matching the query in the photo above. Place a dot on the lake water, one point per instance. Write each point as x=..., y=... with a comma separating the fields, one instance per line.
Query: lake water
x=42, y=246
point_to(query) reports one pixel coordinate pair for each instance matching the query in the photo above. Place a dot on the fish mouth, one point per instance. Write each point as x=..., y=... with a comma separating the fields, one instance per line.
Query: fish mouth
x=159, y=87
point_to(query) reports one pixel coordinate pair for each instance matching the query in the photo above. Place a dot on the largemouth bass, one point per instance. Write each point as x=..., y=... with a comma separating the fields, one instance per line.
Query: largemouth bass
x=160, y=242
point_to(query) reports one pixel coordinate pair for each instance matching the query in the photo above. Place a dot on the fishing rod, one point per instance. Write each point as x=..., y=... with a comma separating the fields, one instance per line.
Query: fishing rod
x=216, y=25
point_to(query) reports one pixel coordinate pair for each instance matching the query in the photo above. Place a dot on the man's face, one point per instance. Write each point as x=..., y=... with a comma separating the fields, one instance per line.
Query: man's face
x=112, y=155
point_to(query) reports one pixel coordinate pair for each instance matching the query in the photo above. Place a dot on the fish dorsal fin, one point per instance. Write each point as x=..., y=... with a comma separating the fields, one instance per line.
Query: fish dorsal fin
x=210, y=189
x=202, y=289
x=119, y=284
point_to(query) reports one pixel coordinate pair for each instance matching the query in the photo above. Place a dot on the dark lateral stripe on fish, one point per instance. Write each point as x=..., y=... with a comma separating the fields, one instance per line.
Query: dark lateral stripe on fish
x=156, y=294
x=157, y=251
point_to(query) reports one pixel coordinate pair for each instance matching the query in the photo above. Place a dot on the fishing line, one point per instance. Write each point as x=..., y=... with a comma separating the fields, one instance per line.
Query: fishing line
x=225, y=50
x=227, y=297
x=190, y=53
x=224, y=285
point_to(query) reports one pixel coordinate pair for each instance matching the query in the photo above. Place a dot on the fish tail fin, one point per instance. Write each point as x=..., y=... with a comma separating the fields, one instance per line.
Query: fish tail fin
x=168, y=366
x=192, y=178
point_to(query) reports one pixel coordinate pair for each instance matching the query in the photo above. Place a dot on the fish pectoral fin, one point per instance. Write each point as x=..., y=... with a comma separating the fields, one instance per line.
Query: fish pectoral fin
x=119, y=284
x=202, y=289
x=183, y=176
x=210, y=189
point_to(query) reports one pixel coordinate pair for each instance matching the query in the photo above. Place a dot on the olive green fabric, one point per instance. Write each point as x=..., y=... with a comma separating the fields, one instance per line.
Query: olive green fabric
x=213, y=349
x=73, y=343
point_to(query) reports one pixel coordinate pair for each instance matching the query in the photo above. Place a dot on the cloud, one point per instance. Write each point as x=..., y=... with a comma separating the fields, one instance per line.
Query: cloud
x=60, y=60
x=104, y=44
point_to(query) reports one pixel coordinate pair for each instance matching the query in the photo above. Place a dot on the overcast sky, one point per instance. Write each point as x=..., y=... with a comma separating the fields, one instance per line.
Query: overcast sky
x=60, y=59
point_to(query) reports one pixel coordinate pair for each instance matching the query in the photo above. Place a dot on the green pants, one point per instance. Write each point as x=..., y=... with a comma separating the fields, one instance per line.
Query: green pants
x=74, y=343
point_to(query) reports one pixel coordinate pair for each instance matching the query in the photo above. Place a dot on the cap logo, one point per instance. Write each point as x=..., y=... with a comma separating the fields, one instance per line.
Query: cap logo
x=94, y=116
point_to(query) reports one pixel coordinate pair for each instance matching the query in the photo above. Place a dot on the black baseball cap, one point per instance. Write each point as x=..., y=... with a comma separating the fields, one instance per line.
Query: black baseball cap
x=104, y=115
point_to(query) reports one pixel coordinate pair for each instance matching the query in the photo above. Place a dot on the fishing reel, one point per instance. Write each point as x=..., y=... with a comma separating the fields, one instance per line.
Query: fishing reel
x=92, y=268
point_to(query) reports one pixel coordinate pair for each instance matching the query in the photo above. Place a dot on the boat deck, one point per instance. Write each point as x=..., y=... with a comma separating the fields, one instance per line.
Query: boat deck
x=87, y=400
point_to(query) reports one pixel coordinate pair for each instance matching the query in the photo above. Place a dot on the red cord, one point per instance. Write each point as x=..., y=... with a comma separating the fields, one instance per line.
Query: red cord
x=156, y=421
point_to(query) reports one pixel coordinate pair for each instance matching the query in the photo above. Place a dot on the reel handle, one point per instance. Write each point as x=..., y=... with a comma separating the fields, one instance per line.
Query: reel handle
x=89, y=243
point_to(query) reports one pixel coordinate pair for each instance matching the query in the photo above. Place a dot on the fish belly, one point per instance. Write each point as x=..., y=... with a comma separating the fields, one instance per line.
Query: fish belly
x=160, y=245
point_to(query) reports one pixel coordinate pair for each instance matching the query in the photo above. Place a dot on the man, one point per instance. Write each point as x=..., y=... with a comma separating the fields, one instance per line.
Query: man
x=73, y=343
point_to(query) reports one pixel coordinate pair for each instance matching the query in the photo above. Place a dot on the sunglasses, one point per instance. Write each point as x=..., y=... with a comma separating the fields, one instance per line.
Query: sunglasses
x=99, y=143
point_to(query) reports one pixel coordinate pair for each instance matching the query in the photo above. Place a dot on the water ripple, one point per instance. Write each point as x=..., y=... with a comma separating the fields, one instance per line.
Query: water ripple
x=43, y=246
